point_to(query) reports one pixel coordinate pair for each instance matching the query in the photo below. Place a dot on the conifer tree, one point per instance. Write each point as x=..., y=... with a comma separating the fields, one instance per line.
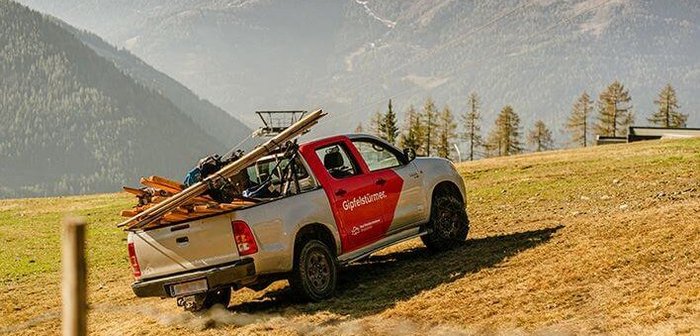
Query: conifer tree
x=446, y=132
x=377, y=124
x=430, y=118
x=389, y=130
x=578, y=122
x=614, y=111
x=472, y=126
x=505, y=137
x=668, y=115
x=412, y=136
x=540, y=137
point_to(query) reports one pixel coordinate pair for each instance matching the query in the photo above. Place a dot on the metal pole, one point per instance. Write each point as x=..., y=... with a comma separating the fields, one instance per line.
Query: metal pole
x=74, y=289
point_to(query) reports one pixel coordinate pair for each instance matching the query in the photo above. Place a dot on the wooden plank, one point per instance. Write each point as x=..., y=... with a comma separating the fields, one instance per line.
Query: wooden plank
x=207, y=209
x=181, y=211
x=129, y=213
x=242, y=203
x=158, y=199
x=236, y=205
x=174, y=217
x=157, y=185
x=135, y=191
x=166, y=182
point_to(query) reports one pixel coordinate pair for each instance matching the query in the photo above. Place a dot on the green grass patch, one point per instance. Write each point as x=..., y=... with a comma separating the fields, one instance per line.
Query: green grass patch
x=30, y=231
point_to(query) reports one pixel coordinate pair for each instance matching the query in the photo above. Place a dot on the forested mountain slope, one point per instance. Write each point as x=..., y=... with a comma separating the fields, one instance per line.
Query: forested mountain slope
x=74, y=123
x=215, y=121
x=352, y=56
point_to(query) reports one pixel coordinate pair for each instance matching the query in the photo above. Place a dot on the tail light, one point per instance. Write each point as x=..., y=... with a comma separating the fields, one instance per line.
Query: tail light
x=134, y=261
x=245, y=241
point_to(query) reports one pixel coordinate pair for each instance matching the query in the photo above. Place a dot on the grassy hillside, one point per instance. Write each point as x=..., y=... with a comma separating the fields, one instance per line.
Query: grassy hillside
x=72, y=123
x=598, y=240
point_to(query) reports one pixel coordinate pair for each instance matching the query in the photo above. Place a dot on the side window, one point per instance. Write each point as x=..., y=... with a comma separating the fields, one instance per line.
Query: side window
x=337, y=161
x=377, y=155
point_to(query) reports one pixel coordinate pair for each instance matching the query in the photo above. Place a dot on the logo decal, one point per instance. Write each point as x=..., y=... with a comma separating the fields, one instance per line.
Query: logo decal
x=364, y=227
x=363, y=200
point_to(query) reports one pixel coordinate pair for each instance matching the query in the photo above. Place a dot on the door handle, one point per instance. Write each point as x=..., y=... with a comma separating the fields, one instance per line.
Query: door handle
x=381, y=181
x=182, y=241
x=341, y=192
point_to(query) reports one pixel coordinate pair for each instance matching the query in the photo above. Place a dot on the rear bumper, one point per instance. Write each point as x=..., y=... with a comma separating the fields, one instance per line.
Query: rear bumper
x=239, y=273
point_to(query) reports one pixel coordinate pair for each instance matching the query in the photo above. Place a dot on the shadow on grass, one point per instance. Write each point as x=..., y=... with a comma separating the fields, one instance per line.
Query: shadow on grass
x=379, y=282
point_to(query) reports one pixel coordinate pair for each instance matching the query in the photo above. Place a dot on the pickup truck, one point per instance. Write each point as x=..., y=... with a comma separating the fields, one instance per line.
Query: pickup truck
x=352, y=195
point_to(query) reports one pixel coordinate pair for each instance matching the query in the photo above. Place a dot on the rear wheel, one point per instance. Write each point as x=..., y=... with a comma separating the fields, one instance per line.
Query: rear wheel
x=449, y=224
x=315, y=272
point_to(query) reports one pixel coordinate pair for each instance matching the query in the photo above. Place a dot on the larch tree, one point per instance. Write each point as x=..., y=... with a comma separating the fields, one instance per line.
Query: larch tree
x=540, y=137
x=614, y=111
x=412, y=135
x=472, y=124
x=578, y=122
x=446, y=132
x=389, y=129
x=492, y=145
x=668, y=114
x=505, y=137
x=430, y=118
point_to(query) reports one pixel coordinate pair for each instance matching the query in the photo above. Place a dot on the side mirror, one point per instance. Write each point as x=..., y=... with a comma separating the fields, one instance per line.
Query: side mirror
x=409, y=153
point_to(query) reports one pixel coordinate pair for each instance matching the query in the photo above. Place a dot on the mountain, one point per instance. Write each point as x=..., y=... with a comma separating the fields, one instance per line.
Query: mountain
x=215, y=121
x=350, y=57
x=72, y=122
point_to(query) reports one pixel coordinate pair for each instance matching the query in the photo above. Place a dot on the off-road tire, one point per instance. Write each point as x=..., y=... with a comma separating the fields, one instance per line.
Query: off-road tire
x=315, y=272
x=449, y=224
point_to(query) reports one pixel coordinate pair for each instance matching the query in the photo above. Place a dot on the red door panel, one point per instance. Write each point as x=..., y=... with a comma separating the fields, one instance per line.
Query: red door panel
x=363, y=204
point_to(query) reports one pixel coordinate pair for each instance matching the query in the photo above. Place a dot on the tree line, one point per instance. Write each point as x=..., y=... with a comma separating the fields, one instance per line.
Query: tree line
x=615, y=113
x=433, y=131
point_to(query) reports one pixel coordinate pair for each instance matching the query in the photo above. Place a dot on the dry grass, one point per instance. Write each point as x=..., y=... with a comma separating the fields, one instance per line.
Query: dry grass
x=601, y=240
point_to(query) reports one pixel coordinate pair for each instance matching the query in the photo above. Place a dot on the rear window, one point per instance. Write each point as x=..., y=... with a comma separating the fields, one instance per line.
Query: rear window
x=261, y=170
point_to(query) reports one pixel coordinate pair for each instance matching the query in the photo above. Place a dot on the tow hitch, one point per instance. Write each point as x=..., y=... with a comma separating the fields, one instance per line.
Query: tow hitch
x=191, y=303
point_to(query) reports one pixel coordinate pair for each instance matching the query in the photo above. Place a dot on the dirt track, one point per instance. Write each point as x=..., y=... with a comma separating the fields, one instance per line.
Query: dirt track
x=602, y=240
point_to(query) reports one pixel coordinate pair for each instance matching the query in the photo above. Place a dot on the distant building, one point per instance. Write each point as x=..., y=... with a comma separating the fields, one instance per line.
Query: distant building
x=640, y=133
x=609, y=140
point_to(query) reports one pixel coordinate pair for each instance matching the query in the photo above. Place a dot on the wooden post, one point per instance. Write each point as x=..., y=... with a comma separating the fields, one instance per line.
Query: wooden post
x=74, y=277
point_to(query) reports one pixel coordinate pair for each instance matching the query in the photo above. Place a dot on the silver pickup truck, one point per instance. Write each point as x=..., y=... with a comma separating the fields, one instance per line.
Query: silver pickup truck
x=351, y=195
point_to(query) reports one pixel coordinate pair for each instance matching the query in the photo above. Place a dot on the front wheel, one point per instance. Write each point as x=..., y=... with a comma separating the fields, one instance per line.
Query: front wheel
x=315, y=272
x=449, y=224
